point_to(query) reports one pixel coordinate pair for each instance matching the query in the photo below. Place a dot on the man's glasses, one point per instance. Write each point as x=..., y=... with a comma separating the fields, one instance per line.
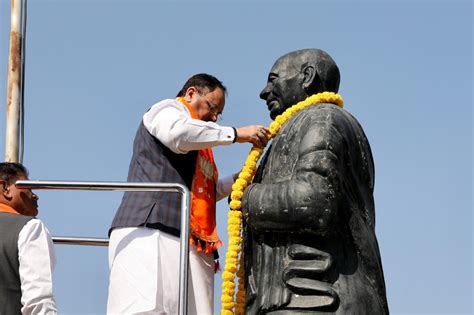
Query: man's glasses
x=213, y=109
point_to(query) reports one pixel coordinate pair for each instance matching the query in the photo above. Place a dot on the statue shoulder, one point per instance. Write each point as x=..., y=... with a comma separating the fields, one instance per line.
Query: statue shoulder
x=332, y=115
x=324, y=113
x=328, y=123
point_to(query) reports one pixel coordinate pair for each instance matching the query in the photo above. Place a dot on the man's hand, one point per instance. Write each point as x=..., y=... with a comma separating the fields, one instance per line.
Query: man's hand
x=255, y=134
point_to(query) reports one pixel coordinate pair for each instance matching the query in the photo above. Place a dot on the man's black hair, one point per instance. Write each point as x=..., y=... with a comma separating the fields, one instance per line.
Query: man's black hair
x=201, y=81
x=9, y=171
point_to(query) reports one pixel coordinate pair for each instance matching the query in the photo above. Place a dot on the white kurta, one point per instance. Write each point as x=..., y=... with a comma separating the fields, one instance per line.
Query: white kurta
x=37, y=261
x=144, y=263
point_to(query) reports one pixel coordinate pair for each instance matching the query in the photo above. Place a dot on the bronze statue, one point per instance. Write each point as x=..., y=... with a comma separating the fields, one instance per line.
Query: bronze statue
x=310, y=244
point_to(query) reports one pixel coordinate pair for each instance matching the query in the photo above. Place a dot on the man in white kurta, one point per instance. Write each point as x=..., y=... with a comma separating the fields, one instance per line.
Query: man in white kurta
x=27, y=252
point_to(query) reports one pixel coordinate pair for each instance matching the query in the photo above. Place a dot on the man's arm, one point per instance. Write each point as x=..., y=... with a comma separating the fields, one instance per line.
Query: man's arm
x=170, y=122
x=308, y=200
x=224, y=187
x=37, y=261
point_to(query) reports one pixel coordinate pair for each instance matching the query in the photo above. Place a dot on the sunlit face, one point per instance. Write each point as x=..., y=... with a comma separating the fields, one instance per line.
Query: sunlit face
x=22, y=200
x=208, y=105
x=284, y=86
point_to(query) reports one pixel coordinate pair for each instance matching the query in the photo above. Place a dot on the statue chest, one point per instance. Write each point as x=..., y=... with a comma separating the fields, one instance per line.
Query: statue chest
x=283, y=154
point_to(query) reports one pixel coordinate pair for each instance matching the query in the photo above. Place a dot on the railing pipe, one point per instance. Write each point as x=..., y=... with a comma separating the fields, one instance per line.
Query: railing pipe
x=121, y=186
x=89, y=241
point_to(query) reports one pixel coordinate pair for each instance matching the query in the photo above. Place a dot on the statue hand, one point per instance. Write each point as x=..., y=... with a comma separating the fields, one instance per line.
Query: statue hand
x=303, y=274
x=306, y=261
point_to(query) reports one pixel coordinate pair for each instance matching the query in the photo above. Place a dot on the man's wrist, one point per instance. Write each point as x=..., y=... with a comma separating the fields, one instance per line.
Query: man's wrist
x=235, y=135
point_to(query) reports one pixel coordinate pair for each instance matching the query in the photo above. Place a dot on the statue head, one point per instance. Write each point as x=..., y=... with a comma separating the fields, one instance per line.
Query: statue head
x=297, y=75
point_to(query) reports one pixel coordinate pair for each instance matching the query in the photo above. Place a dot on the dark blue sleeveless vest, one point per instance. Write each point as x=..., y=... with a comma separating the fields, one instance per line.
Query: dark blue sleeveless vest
x=154, y=162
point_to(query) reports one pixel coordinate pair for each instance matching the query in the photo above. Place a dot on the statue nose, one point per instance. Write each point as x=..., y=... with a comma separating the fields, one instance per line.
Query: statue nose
x=264, y=93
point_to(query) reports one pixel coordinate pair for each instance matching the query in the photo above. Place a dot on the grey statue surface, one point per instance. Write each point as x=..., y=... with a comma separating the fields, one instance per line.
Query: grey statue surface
x=310, y=244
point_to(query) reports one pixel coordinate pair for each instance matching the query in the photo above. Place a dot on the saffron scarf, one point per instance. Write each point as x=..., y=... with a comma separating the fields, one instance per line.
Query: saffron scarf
x=203, y=199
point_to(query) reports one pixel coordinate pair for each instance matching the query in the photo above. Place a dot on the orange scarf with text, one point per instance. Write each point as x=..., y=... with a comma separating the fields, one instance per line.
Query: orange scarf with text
x=203, y=199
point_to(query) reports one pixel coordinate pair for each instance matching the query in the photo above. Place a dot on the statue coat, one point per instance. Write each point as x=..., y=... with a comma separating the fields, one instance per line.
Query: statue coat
x=310, y=244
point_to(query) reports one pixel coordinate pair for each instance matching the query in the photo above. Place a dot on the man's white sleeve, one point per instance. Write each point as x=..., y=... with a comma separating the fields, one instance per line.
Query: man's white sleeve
x=170, y=122
x=224, y=187
x=37, y=261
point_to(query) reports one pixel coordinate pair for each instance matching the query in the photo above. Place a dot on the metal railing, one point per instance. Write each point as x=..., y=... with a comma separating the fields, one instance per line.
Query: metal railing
x=88, y=241
x=123, y=186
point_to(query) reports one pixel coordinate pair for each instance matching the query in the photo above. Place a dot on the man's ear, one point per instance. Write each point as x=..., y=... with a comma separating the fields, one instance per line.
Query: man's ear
x=4, y=189
x=189, y=93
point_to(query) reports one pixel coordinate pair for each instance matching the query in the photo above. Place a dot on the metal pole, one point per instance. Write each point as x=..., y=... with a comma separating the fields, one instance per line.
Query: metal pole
x=14, y=88
x=91, y=241
x=183, y=258
x=120, y=186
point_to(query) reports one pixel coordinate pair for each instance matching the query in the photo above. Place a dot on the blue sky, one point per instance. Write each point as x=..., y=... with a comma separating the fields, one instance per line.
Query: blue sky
x=94, y=67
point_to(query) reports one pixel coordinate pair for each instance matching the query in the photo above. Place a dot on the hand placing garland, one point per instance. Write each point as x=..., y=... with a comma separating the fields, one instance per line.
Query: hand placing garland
x=229, y=304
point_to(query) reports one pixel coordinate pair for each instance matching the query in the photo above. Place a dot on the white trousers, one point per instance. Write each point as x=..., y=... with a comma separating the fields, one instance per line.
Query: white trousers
x=144, y=274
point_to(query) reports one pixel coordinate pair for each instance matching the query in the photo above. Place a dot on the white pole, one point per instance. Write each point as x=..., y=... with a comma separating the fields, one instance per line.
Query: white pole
x=14, y=89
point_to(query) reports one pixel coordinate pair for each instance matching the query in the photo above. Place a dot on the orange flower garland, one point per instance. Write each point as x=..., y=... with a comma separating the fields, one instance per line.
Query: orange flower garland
x=229, y=304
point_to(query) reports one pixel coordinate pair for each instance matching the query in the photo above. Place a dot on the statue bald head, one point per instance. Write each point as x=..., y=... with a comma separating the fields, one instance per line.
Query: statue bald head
x=297, y=75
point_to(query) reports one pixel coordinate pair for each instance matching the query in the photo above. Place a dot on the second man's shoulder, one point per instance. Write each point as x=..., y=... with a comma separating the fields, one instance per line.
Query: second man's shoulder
x=168, y=103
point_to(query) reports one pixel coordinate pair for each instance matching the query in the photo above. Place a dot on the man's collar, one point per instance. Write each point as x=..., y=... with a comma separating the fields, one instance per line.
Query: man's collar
x=191, y=110
x=7, y=209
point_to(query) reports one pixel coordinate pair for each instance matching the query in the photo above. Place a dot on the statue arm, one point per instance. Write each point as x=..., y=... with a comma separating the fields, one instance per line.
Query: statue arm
x=308, y=200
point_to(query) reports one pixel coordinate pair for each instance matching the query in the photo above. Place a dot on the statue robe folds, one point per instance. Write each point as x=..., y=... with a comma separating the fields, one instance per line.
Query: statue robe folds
x=310, y=244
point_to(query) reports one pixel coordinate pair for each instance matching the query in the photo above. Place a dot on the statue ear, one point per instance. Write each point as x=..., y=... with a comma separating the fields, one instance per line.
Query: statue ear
x=311, y=82
x=309, y=76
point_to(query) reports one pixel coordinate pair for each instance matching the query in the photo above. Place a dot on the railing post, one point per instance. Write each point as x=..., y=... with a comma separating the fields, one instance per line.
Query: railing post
x=184, y=254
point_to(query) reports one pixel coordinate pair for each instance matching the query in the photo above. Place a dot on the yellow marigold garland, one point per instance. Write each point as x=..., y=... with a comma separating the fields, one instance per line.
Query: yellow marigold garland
x=230, y=305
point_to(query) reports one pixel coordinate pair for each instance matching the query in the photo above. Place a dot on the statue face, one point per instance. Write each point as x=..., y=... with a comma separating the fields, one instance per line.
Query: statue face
x=285, y=85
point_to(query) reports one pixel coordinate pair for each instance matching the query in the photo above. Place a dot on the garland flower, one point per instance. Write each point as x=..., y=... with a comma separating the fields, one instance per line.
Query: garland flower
x=234, y=265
